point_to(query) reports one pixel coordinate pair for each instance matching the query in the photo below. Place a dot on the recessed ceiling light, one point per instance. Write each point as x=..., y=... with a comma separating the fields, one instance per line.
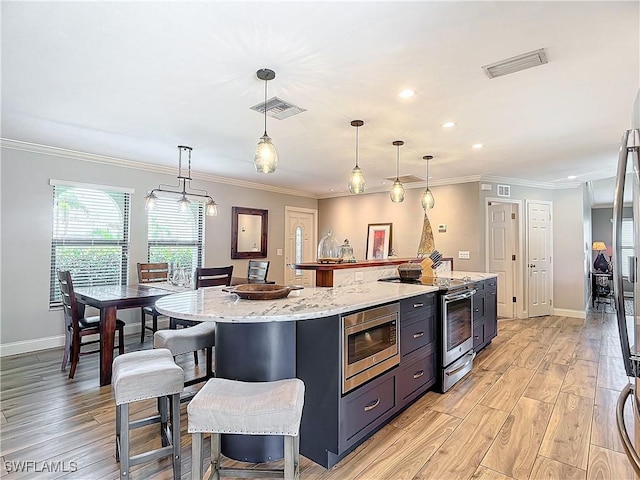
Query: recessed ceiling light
x=448, y=124
x=572, y=177
x=477, y=146
x=407, y=93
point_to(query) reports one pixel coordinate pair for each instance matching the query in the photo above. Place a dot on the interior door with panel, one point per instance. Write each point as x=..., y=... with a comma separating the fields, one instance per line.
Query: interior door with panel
x=502, y=254
x=539, y=278
x=301, y=239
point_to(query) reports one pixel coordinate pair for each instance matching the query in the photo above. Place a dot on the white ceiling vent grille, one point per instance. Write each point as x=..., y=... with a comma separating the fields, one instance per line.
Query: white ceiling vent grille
x=406, y=179
x=504, y=190
x=278, y=108
x=516, y=64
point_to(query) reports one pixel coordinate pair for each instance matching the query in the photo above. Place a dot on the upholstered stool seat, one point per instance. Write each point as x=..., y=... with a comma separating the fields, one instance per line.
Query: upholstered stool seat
x=192, y=339
x=246, y=408
x=140, y=376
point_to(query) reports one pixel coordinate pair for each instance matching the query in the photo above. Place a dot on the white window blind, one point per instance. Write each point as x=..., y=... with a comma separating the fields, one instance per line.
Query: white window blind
x=90, y=237
x=174, y=236
x=626, y=244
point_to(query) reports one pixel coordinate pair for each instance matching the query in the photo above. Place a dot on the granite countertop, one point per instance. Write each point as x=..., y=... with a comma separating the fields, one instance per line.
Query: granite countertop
x=475, y=276
x=212, y=304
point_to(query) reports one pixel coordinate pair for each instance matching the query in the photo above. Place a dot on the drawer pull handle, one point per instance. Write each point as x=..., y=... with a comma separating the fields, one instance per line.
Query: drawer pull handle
x=372, y=406
x=418, y=335
x=418, y=305
x=476, y=336
x=418, y=374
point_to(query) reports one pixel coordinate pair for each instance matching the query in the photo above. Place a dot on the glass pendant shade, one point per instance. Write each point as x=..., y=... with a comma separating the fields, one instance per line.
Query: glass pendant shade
x=266, y=157
x=427, y=200
x=356, y=182
x=150, y=201
x=397, y=192
x=183, y=203
x=211, y=208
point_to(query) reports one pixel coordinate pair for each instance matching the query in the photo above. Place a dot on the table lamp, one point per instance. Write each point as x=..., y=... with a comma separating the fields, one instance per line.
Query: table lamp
x=600, y=263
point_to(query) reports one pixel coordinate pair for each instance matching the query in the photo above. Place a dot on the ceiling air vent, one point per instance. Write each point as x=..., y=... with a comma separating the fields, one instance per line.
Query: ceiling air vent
x=278, y=108
x=504, y=190
x=515, y=64
x=406, y=179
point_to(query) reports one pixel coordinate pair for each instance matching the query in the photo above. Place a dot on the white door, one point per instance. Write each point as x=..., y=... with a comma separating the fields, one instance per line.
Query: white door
x=301, y=239
x=502, y=254
x=539, y=277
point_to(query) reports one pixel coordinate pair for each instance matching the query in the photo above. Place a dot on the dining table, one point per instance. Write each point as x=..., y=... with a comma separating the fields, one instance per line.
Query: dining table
x=108, y=299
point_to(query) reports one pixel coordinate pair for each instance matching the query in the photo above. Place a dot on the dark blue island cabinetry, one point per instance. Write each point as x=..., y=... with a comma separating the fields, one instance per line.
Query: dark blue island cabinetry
x=334, y=423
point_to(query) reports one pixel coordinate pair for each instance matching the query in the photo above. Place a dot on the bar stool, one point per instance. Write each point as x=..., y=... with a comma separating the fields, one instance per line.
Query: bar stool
x=140, y=376
x=192, y=339
x=246, y=408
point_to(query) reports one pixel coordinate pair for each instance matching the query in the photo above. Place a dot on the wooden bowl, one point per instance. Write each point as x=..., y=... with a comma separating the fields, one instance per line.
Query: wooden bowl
x=261, y=291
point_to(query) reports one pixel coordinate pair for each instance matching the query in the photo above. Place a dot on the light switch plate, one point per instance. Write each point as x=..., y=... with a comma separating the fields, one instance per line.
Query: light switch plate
x=279, y=252
x=442, y=227
x=463, y=255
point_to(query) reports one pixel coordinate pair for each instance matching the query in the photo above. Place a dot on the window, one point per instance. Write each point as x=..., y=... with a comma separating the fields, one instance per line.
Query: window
x=626, y=244
x=90, y=235
x=174, y=236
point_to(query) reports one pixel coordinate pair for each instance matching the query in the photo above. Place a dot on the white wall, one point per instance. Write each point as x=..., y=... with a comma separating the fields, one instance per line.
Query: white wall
x=26, y=210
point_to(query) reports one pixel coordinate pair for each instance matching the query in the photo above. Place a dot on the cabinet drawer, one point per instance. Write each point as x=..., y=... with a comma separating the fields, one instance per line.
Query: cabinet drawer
x=478, y=305
x=491, y=284
x=478, y=333
x=416, y=374
x=416, y=334
x=417, y=304
x=364, y=406
x=479, y=286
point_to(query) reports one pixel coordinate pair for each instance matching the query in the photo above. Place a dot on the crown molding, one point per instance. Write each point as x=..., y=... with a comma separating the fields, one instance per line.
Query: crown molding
x=149, y=167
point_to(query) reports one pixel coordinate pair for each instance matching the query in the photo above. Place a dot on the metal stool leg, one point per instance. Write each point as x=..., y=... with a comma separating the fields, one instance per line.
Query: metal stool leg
x=124, y=441
x=175, y=435
x=196, y=456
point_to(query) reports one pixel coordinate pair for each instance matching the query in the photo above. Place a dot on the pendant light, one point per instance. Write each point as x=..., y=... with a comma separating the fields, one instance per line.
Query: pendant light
x=182, y=189
x=427, y=197
x=356, y=182
x=266, y=157
x=397, y=190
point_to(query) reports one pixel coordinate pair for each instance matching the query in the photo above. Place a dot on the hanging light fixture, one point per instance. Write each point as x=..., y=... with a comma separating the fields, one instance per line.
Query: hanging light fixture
x=356, y=182
x=397, y=190
x=427, y=197
x=266, y=157
x=211, y=207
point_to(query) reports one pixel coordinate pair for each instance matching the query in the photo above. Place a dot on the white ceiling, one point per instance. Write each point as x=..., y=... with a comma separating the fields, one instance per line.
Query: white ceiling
x=133, y=80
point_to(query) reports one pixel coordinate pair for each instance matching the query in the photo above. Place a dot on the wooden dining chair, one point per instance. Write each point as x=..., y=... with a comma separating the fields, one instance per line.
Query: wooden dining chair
x=151, y=273
x=257, y=271
x=76, y=325
x=205, y=277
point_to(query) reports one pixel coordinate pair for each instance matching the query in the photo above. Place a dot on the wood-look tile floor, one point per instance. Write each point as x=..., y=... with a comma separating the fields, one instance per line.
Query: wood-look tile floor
x=540, y=403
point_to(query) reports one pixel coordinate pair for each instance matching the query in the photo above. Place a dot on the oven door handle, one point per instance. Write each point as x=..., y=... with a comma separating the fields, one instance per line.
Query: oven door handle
x=459, y=296
x=453, y=372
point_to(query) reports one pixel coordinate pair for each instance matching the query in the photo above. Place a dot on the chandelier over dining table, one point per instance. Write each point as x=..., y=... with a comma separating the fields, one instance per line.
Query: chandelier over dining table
x=183, y=188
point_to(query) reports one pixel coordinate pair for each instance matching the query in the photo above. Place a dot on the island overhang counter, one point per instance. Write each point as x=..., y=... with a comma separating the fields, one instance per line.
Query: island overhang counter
x=256, y=340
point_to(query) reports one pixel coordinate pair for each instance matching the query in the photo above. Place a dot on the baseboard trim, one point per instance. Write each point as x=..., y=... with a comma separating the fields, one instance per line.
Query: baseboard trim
x=37, y=344
x=564, y=312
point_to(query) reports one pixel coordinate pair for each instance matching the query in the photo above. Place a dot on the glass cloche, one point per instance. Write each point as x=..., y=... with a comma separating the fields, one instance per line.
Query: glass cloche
x=329, y=249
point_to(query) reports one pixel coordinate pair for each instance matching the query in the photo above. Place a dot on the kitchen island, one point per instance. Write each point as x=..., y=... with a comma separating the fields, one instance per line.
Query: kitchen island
x=302, y=336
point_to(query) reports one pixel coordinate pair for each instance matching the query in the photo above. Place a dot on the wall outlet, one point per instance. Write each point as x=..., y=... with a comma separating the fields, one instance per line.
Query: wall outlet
x=279, y=252
x=463, y=255
x=359, y=276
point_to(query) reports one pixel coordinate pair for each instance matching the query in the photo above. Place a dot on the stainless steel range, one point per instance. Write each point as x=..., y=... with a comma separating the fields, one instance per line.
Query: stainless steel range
x=456, y=326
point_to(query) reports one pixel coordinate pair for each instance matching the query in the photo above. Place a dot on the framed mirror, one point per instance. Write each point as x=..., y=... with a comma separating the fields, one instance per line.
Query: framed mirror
x=249, y=228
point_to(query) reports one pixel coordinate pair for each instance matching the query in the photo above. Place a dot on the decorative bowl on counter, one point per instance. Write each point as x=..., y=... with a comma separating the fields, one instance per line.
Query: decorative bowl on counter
x=261, y=291
x=410, y=271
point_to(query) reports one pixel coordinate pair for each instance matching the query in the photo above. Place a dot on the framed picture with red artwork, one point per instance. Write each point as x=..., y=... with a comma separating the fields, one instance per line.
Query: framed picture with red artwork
x=378, y=241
